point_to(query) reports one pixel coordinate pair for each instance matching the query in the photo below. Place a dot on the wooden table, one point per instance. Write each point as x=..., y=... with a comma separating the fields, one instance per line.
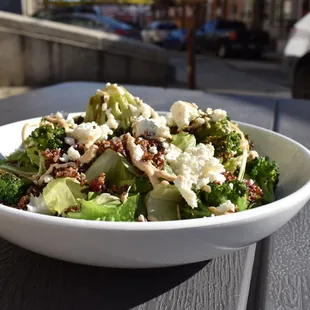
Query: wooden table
x=271, y=275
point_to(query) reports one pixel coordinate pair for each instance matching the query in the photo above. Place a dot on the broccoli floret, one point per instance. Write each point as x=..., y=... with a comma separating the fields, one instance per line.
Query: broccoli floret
x=235, y=191
x=266, y=175
x=47, y=136
x=211, y=129
x=227, y=145
x=114, y=103
x=12, y=188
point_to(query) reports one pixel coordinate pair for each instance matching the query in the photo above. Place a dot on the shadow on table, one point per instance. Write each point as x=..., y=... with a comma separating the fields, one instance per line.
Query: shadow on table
x=31, y=281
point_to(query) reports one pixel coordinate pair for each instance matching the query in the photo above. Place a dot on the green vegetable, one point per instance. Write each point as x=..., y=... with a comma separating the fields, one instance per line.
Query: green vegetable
x=19, y=164
x=163, y=203
x=226, y=145
x=187, y=212
x=183, y=140
x=12, y=188
x=266, y=174
x=112, y=164
x=60, y=194
x=237, y=193
x=211, y=129
x=107, y=208
x=47, y=136
x=142, y=185
x=120, y=103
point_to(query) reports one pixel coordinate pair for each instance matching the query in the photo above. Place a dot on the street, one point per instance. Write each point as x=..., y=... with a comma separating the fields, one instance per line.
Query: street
x=235, y=76
x=228, y=77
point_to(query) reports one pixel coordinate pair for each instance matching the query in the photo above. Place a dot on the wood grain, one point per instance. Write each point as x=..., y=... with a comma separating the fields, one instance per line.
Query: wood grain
x=285, y=268
x=29, y=281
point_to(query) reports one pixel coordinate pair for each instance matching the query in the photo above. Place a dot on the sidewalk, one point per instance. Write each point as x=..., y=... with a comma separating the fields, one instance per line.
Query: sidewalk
x=6, y=91
x=219, y=76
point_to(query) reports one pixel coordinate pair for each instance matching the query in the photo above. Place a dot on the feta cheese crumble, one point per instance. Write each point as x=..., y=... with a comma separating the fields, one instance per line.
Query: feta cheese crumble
x=69, y=141
x=145, y=110
x=218, y=115
x=137, y=153
x=183, y=113
x=198, y=167
x=227, y=206
x=73, y=154
x=89, y=133
x=184, y=186
x=151, y=128
x=111, y=122
x=153, y=150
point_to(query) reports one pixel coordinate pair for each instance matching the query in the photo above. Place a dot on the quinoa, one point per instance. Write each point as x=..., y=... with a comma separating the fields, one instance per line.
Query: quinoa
x=51, y=157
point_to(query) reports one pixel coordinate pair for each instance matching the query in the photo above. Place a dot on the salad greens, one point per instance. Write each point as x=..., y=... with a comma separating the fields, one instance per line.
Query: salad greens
x=121, y=161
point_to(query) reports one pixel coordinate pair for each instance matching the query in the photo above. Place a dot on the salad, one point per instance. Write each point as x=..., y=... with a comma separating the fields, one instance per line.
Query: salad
x=123, y=161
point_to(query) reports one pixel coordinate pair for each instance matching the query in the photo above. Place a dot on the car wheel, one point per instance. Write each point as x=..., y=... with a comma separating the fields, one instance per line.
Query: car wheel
x=301, y=84
x=222, y=51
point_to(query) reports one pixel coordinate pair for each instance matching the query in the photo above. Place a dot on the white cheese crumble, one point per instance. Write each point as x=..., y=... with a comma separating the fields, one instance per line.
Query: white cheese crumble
x=155, y=128
x=69, y=141
x=218, y=115
x=173, y=152
x=104, y=107
x=170, y=120
x=111, y=122
x=145, y=110
x=227, y=206
x=153, y=150
x=37, y=205
x=184, y=186
x=73, y=154
x=183, y=113
x=137, y=153
x=48, y=178
x=89, y=133
x=198, y=167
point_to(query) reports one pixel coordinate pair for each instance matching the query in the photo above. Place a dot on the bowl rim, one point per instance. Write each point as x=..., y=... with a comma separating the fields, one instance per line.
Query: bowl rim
x=303, y=193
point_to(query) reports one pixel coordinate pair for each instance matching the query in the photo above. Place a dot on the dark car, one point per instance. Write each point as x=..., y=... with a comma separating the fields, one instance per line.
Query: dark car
x=229, y=37
x=98, y=22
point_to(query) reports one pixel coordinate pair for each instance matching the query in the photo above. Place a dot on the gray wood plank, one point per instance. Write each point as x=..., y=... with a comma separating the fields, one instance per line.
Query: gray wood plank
x=27, y=280
x=285, y=268
x=223, y=285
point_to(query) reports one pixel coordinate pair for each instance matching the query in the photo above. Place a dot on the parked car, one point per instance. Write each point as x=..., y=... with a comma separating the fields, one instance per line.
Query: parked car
x=157, y=31
x=50, y=12
x=177, y=40
x=296, y=58
x=98, y=22
x=231, y=37
x=224, y=37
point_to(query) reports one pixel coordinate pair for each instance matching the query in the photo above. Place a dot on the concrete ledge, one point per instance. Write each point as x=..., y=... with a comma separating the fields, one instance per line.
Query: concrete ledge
x=40, y=52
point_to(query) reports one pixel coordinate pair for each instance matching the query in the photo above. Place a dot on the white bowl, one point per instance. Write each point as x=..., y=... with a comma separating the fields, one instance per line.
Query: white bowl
x=162, y=244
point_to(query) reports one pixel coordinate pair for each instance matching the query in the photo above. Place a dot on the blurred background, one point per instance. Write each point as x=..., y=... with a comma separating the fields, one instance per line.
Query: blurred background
x=221, y=46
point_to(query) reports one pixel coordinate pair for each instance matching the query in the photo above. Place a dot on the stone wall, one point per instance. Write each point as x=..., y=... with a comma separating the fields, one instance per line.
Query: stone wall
x=39, y=52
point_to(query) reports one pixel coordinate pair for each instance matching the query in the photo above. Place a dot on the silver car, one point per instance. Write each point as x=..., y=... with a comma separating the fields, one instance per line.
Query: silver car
x=157, y=31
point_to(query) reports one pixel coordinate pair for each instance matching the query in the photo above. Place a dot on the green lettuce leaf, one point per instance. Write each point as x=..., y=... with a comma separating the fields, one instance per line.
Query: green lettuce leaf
x=20, y=171
x=116, y=172
x=60, y=194
x=163, y=203
x=18, y=163
x=183, y=140
x=106, y=207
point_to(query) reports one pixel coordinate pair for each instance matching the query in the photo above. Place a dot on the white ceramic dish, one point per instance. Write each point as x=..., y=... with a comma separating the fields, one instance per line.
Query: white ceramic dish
x=161, y=244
